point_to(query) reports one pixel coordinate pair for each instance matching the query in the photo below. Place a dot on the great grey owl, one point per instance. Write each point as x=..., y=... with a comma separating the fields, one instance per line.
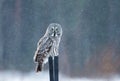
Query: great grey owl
x=48, y=45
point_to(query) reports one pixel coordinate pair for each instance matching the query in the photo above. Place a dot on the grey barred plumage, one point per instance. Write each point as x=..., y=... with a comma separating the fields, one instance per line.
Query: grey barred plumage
x=48, y=45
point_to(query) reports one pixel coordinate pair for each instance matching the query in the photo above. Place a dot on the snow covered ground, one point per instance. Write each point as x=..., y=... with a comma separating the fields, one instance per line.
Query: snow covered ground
x=32, y=76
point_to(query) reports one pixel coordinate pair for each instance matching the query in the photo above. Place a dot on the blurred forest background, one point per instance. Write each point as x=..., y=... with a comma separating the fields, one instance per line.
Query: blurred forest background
x=90, y=44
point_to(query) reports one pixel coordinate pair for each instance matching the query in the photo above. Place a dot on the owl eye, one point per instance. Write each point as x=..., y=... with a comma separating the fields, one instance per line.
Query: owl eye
x=56, y=29
x=52, y=28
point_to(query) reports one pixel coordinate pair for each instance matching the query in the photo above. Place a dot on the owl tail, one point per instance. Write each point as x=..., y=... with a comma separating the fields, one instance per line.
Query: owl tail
x=39, y=67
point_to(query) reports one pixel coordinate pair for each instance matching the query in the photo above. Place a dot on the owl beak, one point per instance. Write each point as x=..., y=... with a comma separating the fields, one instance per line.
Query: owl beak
x=54, y=33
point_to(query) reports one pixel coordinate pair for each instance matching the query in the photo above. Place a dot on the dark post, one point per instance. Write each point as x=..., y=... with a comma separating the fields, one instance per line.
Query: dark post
x=51, y=69
x=56, y=65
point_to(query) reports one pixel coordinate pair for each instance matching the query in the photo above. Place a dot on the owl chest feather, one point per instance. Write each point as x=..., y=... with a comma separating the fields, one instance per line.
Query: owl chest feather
x=50, y=47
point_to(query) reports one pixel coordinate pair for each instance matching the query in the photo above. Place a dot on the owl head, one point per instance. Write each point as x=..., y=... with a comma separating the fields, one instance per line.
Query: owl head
x=54, y=30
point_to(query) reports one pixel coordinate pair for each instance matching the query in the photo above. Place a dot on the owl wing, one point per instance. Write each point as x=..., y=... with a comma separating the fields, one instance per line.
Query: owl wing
x=43, y=48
